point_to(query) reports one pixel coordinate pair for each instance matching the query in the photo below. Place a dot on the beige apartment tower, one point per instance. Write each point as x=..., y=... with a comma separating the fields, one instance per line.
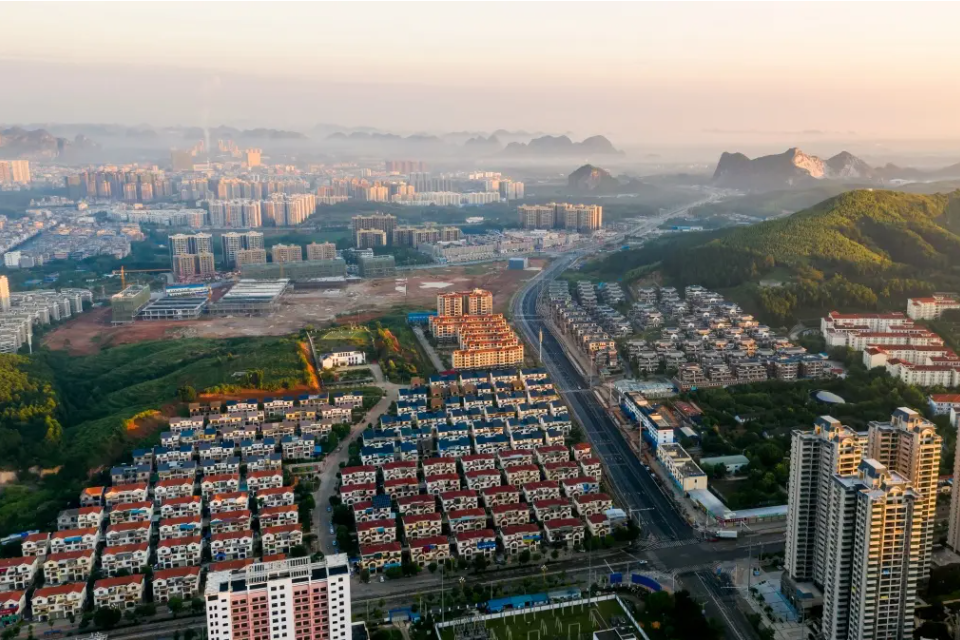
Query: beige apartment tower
x=286, y=253
x=478, y=302
x=321, y=251
x=860, y=522
x=370, y=238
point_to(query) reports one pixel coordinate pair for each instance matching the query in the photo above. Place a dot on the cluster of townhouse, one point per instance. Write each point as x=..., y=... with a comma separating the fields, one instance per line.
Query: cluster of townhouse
x=470, y=412
x=507, y=499
x=176, y=505
x=907, y=351
x=711, y=342
x=584, y=325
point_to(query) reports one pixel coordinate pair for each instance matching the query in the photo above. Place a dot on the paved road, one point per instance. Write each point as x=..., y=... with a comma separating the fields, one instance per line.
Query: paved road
x=428, y=349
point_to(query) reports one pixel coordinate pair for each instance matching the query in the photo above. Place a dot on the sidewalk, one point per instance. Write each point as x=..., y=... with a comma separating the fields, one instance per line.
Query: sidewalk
x=428, y=349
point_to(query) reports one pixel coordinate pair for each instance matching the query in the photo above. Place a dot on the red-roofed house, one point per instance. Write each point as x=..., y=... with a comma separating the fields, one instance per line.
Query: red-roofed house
x=516, y=538
x=565, y=531
x=119, y=593
x=72, y=566
x=59, y=602
x=423, y=551
x=182, y=582
x=477, y=542
x=425, y=525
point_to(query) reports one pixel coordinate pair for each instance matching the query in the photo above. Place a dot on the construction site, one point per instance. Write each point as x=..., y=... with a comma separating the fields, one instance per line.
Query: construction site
x=357, y=301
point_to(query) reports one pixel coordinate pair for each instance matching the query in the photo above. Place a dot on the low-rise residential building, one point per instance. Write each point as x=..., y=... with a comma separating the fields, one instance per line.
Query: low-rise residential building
x=423, y=551
x=131, y=512
x=466, y=519
x=366, y=474
x=130, y=474
x=59, y=602
x=599, y=525
x=281, y=538
x=230, y=521
x=273, y=516
x=92, y=496
x=257, y=480
x=226, y=502
x=119, y=593
x=516, y=538
x=476, y=542
x=562, y=470
x=492, y=496
x=125, y=493
x=183, y=527
x=552, y=453
x=573, y=487
x=12, y=607
x=543, y=490
x=480, y=479
x=72, y=566
x=182, y=582
x=442, y=482
x=380, y=557
x=401, y=487
x=35, y=544
x=223, y=483
x=591, y=466
x=521, y=474
x=564, y=532
x=180, y=552
x=129, y=557
x=460, y=499
x=591, y=503
x=376, y=532
x=686, y=474
x=478, y=461
x=181, y=507
x=425, y=525
x=16, y=574
x=552, y=509
x=510, y=514
x=173, y=488
x=439, y=466
x=379, y=508
x=400, y=469
x=354, y=493
x=177, y=469
x=233, y=545
x=128, y=533
x=74, y=540
x=507, y=458
x=417, y=504
x=581, y=450
x=299, y=447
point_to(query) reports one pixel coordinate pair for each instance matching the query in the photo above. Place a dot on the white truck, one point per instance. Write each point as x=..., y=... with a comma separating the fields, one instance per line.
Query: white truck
x=726, y=534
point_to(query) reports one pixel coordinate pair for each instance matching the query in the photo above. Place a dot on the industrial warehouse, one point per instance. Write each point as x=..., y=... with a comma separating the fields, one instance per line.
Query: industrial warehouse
x=190, y=302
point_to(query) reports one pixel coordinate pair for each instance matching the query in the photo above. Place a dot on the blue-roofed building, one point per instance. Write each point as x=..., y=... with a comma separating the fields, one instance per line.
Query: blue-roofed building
x=472, y=401
x=431, y=419
x=505, y=375
x=372, y=437
x=177, y=469
x=454, y=447
x=126, y=474
x=458, y=430
x=376, y=456
x=169, y=439
x=553, y=436
x=491, y=444
x=474, y=377
x=488, y=427
x=534, y=374
x=143, y=456
x=444, y=380
x=527, y=440
x=408, y=451
x=457, y=415
x=413, y=393
x=475, y=414
x=452, y=403
x=420, y=317
x=406, y=409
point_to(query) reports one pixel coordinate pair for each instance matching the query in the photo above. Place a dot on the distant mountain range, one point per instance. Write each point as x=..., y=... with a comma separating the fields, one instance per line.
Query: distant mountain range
x=558, y=146
x=794, y=168
x=39, y=144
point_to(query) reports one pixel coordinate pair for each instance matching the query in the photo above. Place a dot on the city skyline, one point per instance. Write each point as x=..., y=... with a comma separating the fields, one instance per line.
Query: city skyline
x=676, y=73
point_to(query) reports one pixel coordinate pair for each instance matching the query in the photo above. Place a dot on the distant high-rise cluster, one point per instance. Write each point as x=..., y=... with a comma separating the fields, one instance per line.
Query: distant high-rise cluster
x=14, y=171
x=253, y=158
x=236, y=214
x=413, y=236
x=140, y=185
x=288, y=210
x=860, y=521
x=192, y=255
x=233, y=243
x=404, y=166
x=573, y=217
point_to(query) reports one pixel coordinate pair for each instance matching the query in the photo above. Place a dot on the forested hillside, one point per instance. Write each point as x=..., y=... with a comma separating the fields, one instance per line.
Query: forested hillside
x=862, y=249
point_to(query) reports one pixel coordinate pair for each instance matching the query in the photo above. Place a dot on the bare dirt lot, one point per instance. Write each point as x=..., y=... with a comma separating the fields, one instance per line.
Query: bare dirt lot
x=358, y=302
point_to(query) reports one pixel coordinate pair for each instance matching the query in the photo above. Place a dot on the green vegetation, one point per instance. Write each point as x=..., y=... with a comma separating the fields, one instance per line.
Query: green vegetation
x=771, y=203
x=665, y=616
x=861, y=250
x=74, y=412
x=757, y=420
x=404, y=256
x=397, y=349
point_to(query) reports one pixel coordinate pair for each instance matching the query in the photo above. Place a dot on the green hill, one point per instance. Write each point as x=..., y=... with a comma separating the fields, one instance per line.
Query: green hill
x=862, y=249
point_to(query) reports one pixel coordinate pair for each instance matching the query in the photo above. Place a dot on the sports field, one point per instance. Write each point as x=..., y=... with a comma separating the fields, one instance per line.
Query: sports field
x=576, y=622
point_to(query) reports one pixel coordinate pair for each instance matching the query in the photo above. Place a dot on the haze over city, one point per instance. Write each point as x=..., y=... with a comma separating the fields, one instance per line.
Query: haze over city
x=679, y=73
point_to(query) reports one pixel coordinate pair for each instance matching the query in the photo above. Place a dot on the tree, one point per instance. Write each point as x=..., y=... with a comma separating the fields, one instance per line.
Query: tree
x=146, y=609
x=106, y=617
x=480, y=562
x=197, y=605
x=298, y=551
x=432, y=567
x=175, y=605
x=187, y=393
x=524, y=556
x=365, y=575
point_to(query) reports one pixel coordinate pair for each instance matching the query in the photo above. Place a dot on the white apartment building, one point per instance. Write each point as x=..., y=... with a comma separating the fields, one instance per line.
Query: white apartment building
x=130, y=557
x=180, y=552
x=128, y=533
x=59, y=602
x=63, y=568
x=277, y=497
x=74, y=540
x=280, y=539
x=181, y=507
x=233, y=545
x=16, y=574
x=226, y=502
x=184, y=527
x=273, y=516
x=119, y=593
x=230, y=521
x=311, y=599
x=932, y=307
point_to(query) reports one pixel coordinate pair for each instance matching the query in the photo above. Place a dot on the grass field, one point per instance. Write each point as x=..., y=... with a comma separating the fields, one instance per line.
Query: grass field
x=556, y=624
x=343, y=338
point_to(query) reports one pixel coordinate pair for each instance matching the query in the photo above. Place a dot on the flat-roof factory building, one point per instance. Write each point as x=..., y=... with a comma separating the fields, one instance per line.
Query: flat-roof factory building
x=174, y=308
x=251, y=297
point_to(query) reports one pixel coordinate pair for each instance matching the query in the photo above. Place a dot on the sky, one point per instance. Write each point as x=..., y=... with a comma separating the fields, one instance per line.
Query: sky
x=666, y=72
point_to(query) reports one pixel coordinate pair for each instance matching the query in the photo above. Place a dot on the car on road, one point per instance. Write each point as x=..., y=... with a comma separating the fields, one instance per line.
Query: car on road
x=331, y=530
x=381, y=579
x=334, y=543
x=329, y=508
x=642, y=562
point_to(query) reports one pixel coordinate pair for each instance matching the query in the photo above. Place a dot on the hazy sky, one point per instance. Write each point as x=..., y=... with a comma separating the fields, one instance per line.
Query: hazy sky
x=666, y=72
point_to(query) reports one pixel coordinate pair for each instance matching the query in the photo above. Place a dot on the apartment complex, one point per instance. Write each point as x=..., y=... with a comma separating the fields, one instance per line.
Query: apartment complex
x=414, y=236
x=14, y=171
x=234, y=243
x=478, y=302
x=370, y=238
x=484, y=341
x=932, y=307
x=860, y=522
x=377, y=221
x=286, y=253
x=321, y=251
x=573, y=217
x=236, y=214
x=293, y=599
x=191, y=255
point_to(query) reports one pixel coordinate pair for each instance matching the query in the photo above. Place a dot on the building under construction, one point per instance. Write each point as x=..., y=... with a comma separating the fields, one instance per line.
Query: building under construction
x=251, y=298
x=296, y=271
x=174, y=308
x=128, y=303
